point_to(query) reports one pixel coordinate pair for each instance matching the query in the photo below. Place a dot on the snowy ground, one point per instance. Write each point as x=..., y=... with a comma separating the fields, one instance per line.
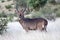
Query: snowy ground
x=16, y=32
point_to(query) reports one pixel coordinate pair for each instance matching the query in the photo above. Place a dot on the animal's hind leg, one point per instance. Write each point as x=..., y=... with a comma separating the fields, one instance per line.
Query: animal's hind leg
x=45, y=25
x=39, y=26
x=25, y=27
x=44, y=28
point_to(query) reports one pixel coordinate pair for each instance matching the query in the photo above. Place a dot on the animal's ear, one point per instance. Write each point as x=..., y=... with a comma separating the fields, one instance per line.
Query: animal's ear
x=16, y=11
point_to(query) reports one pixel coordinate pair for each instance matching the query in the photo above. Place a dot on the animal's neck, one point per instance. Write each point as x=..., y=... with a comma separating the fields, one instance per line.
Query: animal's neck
x=22, y=17
x=22, y=13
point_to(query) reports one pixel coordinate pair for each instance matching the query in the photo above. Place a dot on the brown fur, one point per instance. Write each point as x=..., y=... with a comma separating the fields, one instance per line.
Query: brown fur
x=34, y=24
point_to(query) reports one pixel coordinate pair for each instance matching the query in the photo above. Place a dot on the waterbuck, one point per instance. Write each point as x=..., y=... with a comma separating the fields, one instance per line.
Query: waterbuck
x=32, y=24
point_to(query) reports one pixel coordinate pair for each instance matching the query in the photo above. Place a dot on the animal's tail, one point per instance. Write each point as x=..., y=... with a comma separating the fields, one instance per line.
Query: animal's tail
x=45, y=22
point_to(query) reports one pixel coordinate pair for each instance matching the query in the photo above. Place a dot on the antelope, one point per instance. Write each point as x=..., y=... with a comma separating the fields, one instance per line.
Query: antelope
x=32, y=24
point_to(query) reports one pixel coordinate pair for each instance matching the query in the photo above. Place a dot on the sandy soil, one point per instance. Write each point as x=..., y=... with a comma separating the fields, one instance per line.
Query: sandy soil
x=16, y=32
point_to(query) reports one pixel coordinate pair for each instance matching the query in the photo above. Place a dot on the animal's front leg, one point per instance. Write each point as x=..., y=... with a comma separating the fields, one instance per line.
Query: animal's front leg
x=26, y=29
x=41, y=26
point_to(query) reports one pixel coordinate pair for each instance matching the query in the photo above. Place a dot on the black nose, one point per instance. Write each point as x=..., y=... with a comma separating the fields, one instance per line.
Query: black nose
x=20, y=15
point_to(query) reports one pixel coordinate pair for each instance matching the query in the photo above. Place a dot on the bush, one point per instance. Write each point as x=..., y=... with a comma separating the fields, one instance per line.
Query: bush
x=3, y=1
x=8, y=0
x=58, y=13
x=52, y=1
x=4, y=19
x=3, y=24
x=8, y=6
x=37, y=3
x=11, y=17
x=3, y=14
x=43, y=12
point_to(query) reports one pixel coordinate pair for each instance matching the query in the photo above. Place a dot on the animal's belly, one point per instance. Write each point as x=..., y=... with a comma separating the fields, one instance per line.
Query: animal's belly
x=31, y=25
